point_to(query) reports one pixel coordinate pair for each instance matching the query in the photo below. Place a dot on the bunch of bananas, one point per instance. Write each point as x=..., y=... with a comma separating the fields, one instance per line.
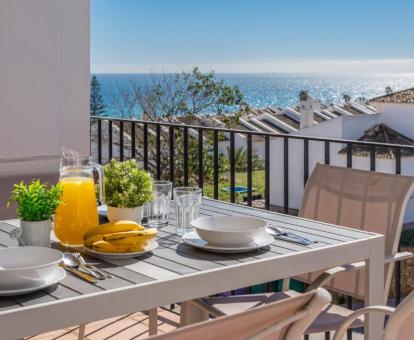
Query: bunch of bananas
x=118, y=237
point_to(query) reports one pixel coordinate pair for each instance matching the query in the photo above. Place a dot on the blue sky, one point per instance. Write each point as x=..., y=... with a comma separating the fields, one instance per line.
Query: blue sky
x=252, y=35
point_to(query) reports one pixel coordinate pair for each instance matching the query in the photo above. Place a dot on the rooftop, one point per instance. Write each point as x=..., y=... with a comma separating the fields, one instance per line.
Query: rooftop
x=401, y=97
x=381, y=133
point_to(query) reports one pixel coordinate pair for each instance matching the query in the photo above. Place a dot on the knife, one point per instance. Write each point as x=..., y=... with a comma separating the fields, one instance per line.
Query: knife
x=280, y=234
x=87, y=277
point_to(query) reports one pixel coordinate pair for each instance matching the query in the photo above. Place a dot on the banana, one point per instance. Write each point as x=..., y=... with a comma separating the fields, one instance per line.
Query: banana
x=90, y=240
x=107, y=247
x=109, y=228
x=129, y=241
x=144, y=235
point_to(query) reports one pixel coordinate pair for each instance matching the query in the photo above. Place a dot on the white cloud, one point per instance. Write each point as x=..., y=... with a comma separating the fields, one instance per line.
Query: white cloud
x=320, y=66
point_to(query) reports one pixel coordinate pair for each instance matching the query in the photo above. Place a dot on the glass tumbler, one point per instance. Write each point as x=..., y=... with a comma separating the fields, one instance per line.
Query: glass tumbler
x=159, y=207
x=187, y=205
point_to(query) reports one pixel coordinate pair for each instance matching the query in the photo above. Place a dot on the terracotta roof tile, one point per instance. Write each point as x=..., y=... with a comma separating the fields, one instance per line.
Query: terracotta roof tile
x=400, y=97
x=381, y=133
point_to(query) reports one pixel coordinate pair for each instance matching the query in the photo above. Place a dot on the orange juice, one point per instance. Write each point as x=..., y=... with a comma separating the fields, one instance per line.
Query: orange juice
x=78, y=213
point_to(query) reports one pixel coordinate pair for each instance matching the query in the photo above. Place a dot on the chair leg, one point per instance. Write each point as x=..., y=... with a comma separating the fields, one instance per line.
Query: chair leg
x=349, y=306
x=191, y=313
x=286, y=283
x=81, y=333
x=153, y=321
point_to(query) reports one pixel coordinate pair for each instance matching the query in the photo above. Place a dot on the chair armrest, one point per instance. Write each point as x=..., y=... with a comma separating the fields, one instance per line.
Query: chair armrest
x=326, y=276
x=340, y=332
x=404, y=255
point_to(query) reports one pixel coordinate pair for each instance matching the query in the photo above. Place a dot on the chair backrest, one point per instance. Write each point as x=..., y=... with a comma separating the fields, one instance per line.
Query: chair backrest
x=400, y=325
x=285, y=319
x=359, y=199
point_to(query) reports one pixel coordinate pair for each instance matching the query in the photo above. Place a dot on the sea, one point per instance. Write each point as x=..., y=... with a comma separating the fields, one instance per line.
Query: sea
x=279, y=90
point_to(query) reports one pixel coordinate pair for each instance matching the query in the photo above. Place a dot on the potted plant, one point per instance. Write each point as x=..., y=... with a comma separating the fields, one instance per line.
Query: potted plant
x=127, y=189
x=36, y=204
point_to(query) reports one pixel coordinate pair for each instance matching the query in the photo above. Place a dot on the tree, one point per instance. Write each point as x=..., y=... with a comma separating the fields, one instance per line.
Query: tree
x=188, y=93
x=123, y=103
x=240, y=160
x=97, y=106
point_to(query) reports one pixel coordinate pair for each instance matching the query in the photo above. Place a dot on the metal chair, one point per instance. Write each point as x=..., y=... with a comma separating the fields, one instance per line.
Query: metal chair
x=399, y=326
x=359, y=199
x=286, y=320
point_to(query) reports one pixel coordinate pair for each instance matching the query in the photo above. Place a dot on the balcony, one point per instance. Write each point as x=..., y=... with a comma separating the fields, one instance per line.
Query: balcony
x=45, y=105
x=178, y=153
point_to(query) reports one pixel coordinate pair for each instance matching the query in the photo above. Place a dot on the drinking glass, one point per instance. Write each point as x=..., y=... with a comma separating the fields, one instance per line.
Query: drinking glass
x=159, y=208
x=187, y=204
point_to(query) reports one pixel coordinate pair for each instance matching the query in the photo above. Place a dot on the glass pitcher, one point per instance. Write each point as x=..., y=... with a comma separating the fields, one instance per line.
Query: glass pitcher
x=79, y=210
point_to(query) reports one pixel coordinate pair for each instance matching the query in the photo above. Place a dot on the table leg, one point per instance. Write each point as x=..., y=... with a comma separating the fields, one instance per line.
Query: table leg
x=374, y=289
x=191, y=313
x=153, y=321
x=81, y=333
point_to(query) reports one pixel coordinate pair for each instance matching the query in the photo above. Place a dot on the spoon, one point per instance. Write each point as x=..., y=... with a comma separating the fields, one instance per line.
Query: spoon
x=287, y=236
x=71, y=261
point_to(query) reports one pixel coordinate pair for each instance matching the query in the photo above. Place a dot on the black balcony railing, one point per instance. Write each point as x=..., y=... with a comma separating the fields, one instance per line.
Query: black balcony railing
x=148, y=138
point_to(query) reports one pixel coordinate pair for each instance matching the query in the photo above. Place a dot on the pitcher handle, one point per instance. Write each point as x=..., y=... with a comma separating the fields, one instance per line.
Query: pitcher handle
x=98, y=169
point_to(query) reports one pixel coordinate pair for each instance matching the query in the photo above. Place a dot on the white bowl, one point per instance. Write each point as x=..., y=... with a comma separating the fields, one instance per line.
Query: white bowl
x=27, y=266
x=229, y=231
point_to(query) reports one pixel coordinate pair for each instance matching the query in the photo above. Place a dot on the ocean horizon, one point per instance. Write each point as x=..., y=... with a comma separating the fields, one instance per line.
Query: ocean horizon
x=268, y=89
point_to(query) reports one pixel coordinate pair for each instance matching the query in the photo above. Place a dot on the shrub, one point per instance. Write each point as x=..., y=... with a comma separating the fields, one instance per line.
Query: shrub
x=126, y=184
x=36, y=201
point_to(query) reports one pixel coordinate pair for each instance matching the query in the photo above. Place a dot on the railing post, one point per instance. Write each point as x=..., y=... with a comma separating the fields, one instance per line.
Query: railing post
x=158, y=147
x=145, y=146
x=232, y=169
x=171, y=134
x=327, y=153
x=200, y=159
x=398, y=263
x=305, y=161
x=249, y=170
x=267, y=172
x=121, y=140
x=216, y=165
x=185, y=157
x=133, y=140
x=99, y=141
x=349, y=155
x=110, y=139
x=286, y=175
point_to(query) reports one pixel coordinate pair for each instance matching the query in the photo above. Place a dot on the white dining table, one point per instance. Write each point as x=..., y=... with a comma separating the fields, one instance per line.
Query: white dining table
x=175, y=272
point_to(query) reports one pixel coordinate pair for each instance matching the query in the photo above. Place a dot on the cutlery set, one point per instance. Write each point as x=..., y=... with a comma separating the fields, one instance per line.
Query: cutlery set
x=76, y=264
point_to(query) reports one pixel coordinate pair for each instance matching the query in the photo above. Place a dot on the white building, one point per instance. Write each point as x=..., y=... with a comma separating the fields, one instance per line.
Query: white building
x=393, y=123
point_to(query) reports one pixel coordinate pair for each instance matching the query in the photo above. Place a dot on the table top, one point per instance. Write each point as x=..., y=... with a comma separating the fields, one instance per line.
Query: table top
x=182, y=269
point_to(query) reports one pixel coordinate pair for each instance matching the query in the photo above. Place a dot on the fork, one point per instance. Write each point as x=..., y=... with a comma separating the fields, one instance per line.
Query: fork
x=90, y=266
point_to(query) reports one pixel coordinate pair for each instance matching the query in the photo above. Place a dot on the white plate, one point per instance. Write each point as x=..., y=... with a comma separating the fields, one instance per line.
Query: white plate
x=150, y=247
x=58, y=275
x=194, y=240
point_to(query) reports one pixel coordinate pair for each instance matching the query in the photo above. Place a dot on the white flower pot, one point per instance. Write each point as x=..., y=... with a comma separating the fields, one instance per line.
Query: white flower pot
x=128, y=214
x=33, y=233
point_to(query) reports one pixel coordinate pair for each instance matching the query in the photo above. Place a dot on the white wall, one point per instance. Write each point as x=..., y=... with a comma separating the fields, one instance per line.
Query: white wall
x=339, y=128
x=44, y=83
x=399, y=117
x=44, y=86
